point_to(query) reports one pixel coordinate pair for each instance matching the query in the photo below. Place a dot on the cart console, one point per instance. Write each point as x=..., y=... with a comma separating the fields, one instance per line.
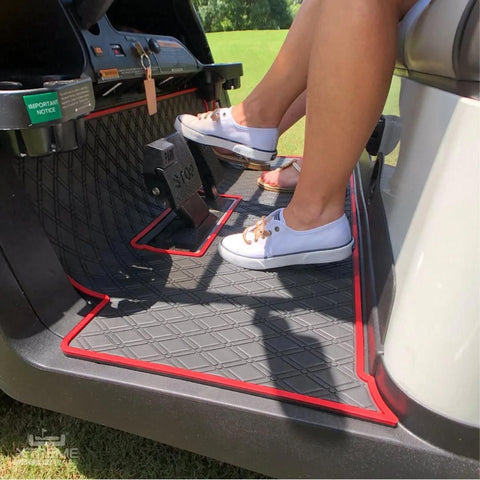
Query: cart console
x=62, y=59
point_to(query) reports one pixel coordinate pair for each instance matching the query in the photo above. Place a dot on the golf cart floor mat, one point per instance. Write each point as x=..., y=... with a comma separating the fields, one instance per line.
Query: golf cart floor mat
x=295, y=334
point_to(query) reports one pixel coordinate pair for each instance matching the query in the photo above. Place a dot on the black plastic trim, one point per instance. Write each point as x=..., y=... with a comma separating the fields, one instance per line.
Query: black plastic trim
x=437, y=429
x=39, y=43
x=31, y=256
x=458, y=87
x=91, y=11
x=278, y=439
x=197, y=41
x=377, y=262
x=471, y=11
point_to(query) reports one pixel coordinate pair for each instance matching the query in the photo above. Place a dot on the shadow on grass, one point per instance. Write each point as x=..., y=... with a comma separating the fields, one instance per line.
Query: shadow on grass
x=92, y=451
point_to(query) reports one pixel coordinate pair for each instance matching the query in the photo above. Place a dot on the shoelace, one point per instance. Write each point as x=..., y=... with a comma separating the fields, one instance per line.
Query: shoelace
x=259, y=230
x=215, y=115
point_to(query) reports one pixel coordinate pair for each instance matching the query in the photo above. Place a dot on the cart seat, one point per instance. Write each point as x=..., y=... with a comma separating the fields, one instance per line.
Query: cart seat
x=439, y=39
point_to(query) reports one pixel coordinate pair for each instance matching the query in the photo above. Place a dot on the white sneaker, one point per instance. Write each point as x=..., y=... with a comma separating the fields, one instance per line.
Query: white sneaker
x=270, y=243
x=219, y=129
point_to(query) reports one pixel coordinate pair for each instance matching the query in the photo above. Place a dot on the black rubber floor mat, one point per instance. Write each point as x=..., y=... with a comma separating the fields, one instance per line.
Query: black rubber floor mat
x=290, y=333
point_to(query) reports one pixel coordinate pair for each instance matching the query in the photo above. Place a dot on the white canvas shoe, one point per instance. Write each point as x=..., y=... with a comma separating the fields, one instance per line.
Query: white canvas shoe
x=219, y=129
x=270, y=243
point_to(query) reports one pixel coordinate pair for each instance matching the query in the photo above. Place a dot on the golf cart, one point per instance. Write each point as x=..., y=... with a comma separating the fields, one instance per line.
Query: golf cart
x=115, y=306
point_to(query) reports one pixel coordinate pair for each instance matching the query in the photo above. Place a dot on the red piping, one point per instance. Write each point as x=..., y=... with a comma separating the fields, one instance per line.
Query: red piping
x=383, y=415
x=128, y=106
x=105, y=300
x=205, y=245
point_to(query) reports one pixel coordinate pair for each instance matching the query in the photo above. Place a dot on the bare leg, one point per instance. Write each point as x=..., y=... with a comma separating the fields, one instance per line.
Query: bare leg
x=347, y=86
x=350, y=70
x=286, y=79
x=295, y=112
x=287, y=177
x=351, y=51
x=343, y=53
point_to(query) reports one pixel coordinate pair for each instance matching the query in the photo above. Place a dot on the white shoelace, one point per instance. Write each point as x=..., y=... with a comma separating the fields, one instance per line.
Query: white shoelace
x=214, y=115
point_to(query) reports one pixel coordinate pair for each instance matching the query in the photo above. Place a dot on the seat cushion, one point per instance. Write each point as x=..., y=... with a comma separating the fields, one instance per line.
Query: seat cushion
x=441, y=37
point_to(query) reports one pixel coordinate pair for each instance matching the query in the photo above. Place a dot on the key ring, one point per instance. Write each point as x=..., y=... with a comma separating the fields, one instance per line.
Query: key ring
x=142, y=60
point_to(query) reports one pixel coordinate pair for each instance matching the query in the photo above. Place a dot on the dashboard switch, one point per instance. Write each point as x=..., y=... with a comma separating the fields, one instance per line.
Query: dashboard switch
x=153, y=45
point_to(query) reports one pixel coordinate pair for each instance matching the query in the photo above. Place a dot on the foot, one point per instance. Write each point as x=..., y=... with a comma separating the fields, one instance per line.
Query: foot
x=283, y=179
x=219, y=129
x=271, y=243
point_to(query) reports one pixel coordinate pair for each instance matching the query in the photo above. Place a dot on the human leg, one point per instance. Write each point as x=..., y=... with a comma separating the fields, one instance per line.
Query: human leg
x=347, y=87
x=286, y=80
x=285, y=178
x=349, y=71
x=251, y=127
x=295, y=112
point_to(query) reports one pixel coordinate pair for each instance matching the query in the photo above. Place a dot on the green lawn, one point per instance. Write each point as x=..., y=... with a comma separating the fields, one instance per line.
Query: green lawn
x=256, y=50
x=98, y=452
x=104, y=452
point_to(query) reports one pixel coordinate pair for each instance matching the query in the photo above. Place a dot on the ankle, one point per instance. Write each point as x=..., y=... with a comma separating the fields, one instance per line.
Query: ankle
x=306, y=218
x=253, y=114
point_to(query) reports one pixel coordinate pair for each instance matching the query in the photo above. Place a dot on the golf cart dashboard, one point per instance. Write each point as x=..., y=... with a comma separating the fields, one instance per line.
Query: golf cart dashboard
x=124, y=38
x=113, y=42
x=117, y=56
x=63, y=59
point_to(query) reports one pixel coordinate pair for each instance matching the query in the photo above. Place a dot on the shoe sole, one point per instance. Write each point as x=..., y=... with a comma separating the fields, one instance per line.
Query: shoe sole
x=243, y=161
x=238, y=148
x=305, y=258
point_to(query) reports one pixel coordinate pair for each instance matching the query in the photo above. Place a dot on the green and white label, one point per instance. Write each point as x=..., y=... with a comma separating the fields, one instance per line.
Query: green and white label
x=43, y=107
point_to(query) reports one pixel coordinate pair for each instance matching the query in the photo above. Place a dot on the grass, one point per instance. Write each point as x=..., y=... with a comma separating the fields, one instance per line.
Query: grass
x=256, y=50
x=93, y=451
x=103, y=452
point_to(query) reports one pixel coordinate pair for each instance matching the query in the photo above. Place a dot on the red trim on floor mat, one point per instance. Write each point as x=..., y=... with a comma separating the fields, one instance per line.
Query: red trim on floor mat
x=128, y=106
x=384, y=415
x=236, y=199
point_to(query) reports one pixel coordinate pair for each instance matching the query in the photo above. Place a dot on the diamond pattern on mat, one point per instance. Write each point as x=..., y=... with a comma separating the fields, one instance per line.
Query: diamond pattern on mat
x=291, y=329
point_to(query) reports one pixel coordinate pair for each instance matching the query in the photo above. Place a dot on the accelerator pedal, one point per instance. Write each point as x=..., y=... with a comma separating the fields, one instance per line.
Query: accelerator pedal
x=191, y=219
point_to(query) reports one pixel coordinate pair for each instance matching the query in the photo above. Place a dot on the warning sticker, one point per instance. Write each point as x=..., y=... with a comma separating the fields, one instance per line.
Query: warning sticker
x=43, y=107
